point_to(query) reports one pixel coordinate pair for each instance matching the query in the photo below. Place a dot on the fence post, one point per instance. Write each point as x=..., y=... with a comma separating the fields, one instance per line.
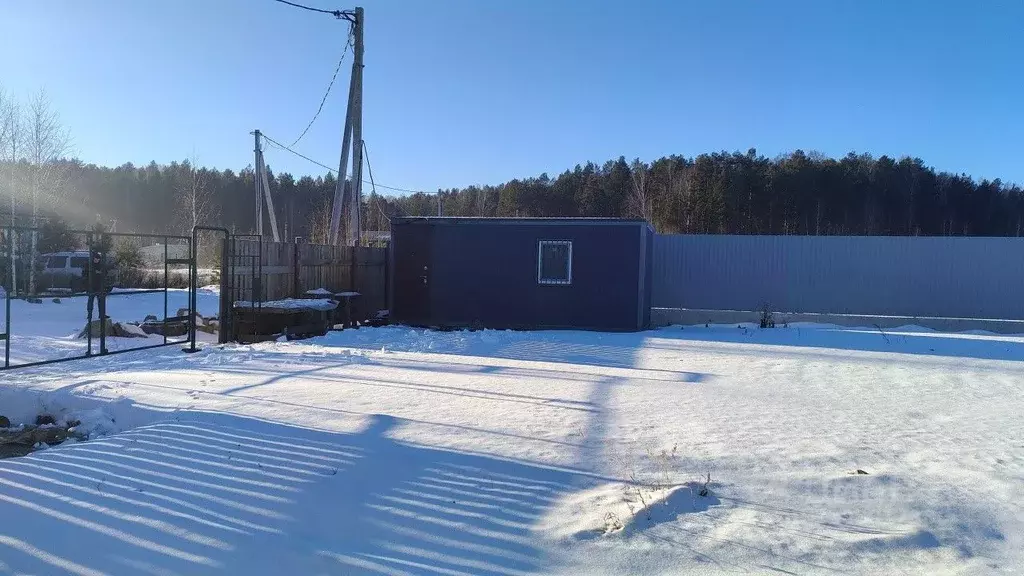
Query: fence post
x=226, y=306
x=296, y=267
x=102, y=283
x=352, y=269
x=387, y=277
x=165, y=292
x=193, y=287
x=88, y=299
x=7, y=301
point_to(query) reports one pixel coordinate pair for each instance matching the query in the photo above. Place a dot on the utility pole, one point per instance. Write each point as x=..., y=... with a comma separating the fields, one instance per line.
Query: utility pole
x=258, y=182
x=339, y=186
x=270, y=201
x=356, y=207
x=262, y=187
x=263, y=184
x=351, y=141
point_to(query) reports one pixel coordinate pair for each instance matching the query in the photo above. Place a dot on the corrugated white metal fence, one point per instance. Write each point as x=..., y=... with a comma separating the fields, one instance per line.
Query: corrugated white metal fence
x=876, y=275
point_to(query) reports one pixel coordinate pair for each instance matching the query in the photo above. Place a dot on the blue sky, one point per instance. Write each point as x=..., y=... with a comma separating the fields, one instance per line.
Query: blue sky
x=461, y=92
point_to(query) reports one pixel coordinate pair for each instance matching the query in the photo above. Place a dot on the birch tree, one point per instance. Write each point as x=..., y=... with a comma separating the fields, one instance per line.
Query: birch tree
x=10, y=147
x=320, y=222
x=47, y=141
x=196, y=204
x=10, y=142
x=640, y=190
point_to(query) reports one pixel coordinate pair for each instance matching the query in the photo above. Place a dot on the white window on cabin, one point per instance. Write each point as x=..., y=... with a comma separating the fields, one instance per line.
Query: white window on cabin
x=554, y=262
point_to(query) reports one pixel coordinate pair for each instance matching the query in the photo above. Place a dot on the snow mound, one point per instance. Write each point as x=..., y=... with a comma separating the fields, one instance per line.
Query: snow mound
x=616, y=507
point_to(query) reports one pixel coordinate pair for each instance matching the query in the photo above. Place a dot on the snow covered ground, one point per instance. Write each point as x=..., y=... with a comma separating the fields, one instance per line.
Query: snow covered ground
x=400, y=451
x=49, y=330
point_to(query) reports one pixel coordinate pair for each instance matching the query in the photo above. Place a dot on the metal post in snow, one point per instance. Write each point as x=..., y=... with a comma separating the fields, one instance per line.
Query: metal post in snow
x=88, y=289
x=7, y=304
x=102, y=280
x=165, y=291
x=192, y=287
x=226, y=291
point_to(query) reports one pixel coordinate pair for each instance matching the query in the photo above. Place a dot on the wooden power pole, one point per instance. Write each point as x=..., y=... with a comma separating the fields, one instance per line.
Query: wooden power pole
x=350, y=198
x=262, y=184
x=257, y=183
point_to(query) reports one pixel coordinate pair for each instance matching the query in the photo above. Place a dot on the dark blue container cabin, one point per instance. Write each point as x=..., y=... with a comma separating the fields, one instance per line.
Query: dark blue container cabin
x=522, y=273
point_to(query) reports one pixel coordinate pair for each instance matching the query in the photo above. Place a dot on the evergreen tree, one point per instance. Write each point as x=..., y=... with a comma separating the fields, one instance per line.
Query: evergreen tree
x=721, y=192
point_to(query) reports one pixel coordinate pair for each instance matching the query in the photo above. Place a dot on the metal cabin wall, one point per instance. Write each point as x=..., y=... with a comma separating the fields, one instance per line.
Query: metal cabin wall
x=485, y=274
x=874, y=275
x=411, y=251
x=648, y=295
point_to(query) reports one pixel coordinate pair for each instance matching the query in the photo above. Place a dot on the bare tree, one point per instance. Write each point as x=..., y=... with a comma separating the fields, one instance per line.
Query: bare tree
x=678, y=183
x=47, y=142
x=320, y=222
x=11, y=136
x=639, y=190
x=10, y=140
x=196, y=205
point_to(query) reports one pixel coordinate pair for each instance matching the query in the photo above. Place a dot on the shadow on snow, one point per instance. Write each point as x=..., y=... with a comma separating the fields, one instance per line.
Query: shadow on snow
x=222, y=494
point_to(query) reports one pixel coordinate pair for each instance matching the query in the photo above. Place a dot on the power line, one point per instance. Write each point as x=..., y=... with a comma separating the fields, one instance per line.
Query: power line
x=369, y=170
x=329, y=86
x=400, y=189
x=373, y=187
x=304, y=157
x=333, y=171
x=344, y=14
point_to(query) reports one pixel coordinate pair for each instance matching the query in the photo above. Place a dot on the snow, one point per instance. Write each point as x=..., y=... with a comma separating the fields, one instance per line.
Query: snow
x=319, y=292
x=49, y=330
x=402, y=451
x=134, y=330
x=321, y=304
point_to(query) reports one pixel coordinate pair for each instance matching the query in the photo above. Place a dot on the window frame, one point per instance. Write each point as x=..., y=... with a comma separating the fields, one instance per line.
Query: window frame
x=540, y=263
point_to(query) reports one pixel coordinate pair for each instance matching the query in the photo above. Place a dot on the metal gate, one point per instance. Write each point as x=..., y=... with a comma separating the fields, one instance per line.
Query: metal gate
x=241, y=272
x=46, y=278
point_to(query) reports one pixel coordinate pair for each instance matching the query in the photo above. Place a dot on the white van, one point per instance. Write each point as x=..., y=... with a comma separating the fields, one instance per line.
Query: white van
x=69, y=270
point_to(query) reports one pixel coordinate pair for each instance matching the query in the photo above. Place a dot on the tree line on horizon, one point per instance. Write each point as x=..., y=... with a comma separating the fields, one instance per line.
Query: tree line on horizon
x=718, y=193
x=721, y=193
x=736, y=193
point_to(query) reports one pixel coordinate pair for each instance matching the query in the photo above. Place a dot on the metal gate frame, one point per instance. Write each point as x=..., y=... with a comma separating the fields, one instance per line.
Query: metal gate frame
x=11, y=234
x=231, y=290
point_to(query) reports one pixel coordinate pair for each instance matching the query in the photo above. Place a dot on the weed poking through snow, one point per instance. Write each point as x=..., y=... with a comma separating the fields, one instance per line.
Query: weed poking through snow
x=767, y=317
x=884, y=335
x=650, y=488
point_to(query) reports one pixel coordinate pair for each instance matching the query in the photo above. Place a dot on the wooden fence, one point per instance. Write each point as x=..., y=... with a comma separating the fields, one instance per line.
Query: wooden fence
x=289, y=270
